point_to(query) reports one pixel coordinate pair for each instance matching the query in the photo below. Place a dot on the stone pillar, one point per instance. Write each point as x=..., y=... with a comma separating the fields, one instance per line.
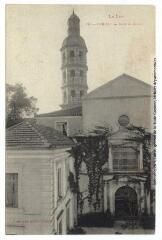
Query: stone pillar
x=141, y=157
x=111, y=200
x=64, y=183
x=148, y=203
x=64, y=230
x=55, y=185
x=105, y=196
x=142, y=196
x=72, y=209
x=110, y=164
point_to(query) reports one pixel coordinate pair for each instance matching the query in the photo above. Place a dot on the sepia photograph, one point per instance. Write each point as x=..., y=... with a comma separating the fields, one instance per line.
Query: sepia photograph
x=80, y=119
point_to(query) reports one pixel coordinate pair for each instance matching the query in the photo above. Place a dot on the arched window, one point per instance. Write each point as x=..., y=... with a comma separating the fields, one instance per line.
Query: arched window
x=72, y=54
x=63, y=57
x=81, y=73
x=81, y=93
x=73, y=93
x=80, y=54
x=65, y=97
x=64, y=76
x=72, y=73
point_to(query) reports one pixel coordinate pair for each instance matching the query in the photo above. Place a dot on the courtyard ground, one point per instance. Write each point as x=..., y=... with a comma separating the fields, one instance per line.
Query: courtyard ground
x=117, y=229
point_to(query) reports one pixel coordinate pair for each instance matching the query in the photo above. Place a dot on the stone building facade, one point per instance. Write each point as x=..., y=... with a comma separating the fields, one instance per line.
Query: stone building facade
x=124, y=99
x=122, y=102
x=38, y=197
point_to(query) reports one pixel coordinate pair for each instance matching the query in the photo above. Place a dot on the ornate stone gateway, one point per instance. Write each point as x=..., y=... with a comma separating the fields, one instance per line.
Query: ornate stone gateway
x=125, y=203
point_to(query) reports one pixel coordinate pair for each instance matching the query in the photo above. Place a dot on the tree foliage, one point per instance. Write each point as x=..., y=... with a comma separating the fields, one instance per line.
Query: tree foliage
x=18, y=104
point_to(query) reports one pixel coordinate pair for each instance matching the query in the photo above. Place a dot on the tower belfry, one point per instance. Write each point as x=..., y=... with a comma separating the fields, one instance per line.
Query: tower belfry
x=74, y=65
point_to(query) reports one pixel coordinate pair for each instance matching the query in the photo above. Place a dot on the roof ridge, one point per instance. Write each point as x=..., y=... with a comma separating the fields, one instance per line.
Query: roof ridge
x=74, y=111
x=138, y=80
x=110, y=82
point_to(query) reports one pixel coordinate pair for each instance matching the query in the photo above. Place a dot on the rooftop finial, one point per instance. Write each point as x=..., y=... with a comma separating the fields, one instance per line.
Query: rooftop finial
x=73, y=12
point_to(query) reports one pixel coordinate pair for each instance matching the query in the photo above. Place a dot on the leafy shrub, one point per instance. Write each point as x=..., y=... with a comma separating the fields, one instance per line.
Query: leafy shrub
x=76, y=230
x=147, y=221
x=96, y=219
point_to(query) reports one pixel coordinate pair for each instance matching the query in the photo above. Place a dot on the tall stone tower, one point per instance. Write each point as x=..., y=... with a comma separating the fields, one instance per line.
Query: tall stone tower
x=74, y=65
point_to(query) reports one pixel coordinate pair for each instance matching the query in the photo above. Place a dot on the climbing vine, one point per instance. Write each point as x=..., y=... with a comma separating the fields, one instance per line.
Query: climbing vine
x=92, y=149
x=146, y=138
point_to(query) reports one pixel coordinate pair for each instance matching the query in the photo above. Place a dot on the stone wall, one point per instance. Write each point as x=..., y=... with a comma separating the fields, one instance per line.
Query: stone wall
x=74, y=123
x=106, y=112
x=38, y=205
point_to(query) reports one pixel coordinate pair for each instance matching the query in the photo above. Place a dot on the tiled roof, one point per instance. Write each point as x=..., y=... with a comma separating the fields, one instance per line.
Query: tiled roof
x=77, y=111
x=28, y=134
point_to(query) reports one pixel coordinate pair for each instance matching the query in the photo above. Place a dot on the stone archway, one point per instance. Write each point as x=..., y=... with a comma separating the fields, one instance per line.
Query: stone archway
x=126, y=203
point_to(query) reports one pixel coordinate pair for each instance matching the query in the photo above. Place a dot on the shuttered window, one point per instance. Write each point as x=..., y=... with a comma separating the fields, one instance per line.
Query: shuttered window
x=12, y=190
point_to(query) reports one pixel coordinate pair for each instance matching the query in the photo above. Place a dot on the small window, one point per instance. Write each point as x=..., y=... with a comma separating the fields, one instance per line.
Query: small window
x=81, y=93
x=65, y=97
x=12, y=190
x=63, y=57
x=73, y=93
x=81, y=73
x=80, y=54
x=72, y=55
x=64, y=75
x=72, y=73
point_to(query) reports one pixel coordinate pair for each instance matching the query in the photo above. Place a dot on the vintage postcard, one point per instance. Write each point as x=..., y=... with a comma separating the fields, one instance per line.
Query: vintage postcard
x=80, y=119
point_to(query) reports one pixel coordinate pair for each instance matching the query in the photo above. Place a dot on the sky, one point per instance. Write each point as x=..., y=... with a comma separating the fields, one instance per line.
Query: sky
x=120, y=39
